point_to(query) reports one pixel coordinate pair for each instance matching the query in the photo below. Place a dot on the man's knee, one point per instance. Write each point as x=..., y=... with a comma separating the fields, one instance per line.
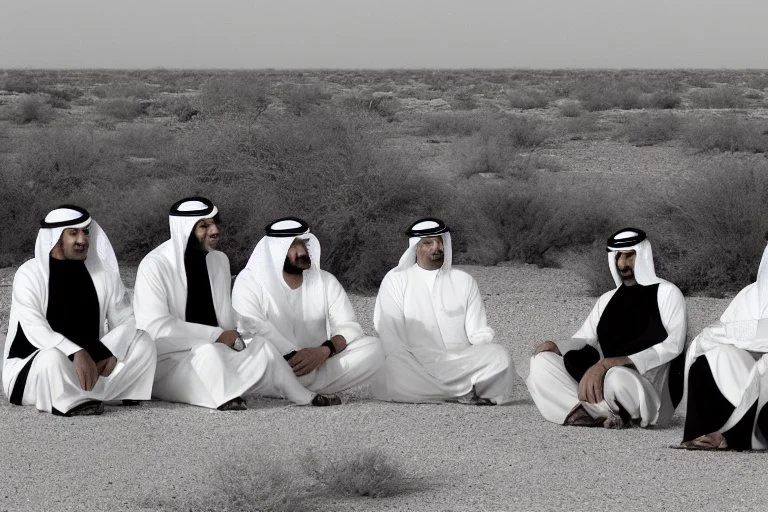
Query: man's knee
x=497, y=356
x=51, y=359
x=544, y=363
x=144, y=349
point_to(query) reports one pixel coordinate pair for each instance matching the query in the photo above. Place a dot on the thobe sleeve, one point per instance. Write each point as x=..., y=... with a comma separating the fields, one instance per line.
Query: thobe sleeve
x=388, y=315
x=341, y=315
x=475, y=322
x=27, y=299
x=154, y=316
x=251, y=305
x=122, y=325
x=672, y=311
x=587, y=334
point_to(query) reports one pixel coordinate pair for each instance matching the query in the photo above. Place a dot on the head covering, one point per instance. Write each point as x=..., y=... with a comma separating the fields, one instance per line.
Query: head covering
x=183, y=216
x=632, y=239
x=266, y=266
x=101, y=255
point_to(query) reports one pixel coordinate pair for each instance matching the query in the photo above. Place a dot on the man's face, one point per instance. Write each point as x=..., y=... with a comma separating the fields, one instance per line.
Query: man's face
x=73, y=244
x=207, y=233
x=625, y=264
x=297, y=260
x=429, y=252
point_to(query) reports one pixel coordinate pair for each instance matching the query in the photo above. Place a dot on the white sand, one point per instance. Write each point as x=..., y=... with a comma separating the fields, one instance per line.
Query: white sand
x=465, y=458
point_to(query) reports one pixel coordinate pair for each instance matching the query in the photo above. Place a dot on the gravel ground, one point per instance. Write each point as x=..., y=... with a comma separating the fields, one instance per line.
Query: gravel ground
x=463, y=457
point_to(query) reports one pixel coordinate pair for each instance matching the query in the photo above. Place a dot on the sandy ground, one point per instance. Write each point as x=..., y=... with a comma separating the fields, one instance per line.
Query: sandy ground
x=462, y=457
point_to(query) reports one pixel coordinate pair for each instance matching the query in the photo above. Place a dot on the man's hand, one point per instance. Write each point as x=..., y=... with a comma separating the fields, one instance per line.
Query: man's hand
x=591, y=384
x=309, y=359
x=228, y=338
x=547, y=346
x=106, y=366
x=86, y=369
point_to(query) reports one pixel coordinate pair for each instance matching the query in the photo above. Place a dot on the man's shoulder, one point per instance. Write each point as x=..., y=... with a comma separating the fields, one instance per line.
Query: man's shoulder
x=218, y=258
x=669, y=288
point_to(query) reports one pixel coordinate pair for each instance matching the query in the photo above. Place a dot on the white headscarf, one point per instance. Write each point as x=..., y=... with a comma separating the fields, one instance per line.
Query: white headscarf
x=266, y=268
x=645, y=274
x=182, y=219
x=101, y=255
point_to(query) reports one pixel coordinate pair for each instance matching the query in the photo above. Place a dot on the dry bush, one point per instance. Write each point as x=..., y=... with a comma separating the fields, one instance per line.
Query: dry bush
x=648, y=129
x=712, y=230
x=240, y=484
x=32, y=109
x=453, y=123
x=570, y=109
x=727, y=133
x=719, y=97
x=129, y=89
x=527, y=98
x=123, y=109
x=179, y=107
x=370, y=473
x=237, y=95
x=598, y=93
x=384, y=105
x=20, y=82
x=661, y=100
x=301, y=98
x=463, y=99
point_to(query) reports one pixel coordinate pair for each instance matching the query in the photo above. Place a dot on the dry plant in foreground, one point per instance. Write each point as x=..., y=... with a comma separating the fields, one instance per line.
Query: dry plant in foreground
x=369, y=472
x=249, y=484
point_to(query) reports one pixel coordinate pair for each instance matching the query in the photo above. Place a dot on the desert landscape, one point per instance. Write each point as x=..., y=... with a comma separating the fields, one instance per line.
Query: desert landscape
x=531, y=169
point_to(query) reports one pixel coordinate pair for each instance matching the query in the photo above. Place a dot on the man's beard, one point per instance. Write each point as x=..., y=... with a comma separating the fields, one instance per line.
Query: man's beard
x=290, y=267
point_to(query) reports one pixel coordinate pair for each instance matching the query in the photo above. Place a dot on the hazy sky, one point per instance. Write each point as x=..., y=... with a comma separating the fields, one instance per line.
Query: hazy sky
x=391, y=34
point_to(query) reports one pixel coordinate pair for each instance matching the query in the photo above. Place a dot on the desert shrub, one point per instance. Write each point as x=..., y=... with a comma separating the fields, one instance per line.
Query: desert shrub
x=236, y=95
x=753, y=95
x=141, y=140
x=241, y=484
x=453, y=123
x=712, y=228
x=32, y=109
x=727, y=133
x=583, y=126
x=176, y=106
x=570, y=109
x=719, y=97
x=135, y=90
x=463, y=99
x=759, y=82
x=592, y=265
x=370, y=473
x=526, y=132
x=648, y=129
x=121, y=108
x=22, y=207
x=301, y=98
x=20, y=82
x=600, y=94
x=527, y=98
x=384, y=105
x=536, y=219
x=661, y=100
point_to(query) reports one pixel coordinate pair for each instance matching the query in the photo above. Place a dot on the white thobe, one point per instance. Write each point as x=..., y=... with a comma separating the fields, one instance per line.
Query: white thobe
x=312, y=313
x=191, y=367
x=642, y=392
x=736, y=348
x=52, y=381
x=434, y=354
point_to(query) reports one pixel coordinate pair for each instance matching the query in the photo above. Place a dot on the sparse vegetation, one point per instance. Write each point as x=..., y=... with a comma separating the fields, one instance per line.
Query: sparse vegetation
x=727, y=133
x=527, y=99
x=649, y=129
x=32, y=109
x=719, y=97
x=369, y=473
x=123, y=109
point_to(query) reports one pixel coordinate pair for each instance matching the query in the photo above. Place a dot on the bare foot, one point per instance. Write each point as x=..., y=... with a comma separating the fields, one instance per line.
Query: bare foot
x=579, y=417
x=712, y=441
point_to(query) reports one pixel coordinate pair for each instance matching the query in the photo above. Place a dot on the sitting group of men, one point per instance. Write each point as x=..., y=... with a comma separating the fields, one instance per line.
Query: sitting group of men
x=287, y=329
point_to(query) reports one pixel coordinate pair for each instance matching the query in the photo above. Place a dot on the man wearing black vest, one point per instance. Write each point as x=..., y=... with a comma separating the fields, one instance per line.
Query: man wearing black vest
x=622, y=367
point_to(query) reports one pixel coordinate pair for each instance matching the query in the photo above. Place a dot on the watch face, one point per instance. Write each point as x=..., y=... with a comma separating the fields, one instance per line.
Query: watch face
x=239, y=345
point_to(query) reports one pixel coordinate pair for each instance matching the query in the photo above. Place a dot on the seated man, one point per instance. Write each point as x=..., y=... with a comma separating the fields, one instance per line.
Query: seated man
x=727, y=375
x=616, y=369
x=182, y=299
x=283, y=295
x=431, y=320
x=60, y=355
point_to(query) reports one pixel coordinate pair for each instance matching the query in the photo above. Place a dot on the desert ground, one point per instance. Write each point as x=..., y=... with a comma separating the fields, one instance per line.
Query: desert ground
x=533, y=170
x=452, y=457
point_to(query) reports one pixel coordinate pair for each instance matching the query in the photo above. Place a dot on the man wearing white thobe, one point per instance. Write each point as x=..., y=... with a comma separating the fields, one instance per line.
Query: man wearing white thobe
x=615, y=371
x=72, y=341
x=432, y=323
x=182, y=299
x=727, y=375
x=284, y=296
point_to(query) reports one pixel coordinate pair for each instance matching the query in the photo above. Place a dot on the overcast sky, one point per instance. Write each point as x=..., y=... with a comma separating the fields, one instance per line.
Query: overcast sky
x=390, y=34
